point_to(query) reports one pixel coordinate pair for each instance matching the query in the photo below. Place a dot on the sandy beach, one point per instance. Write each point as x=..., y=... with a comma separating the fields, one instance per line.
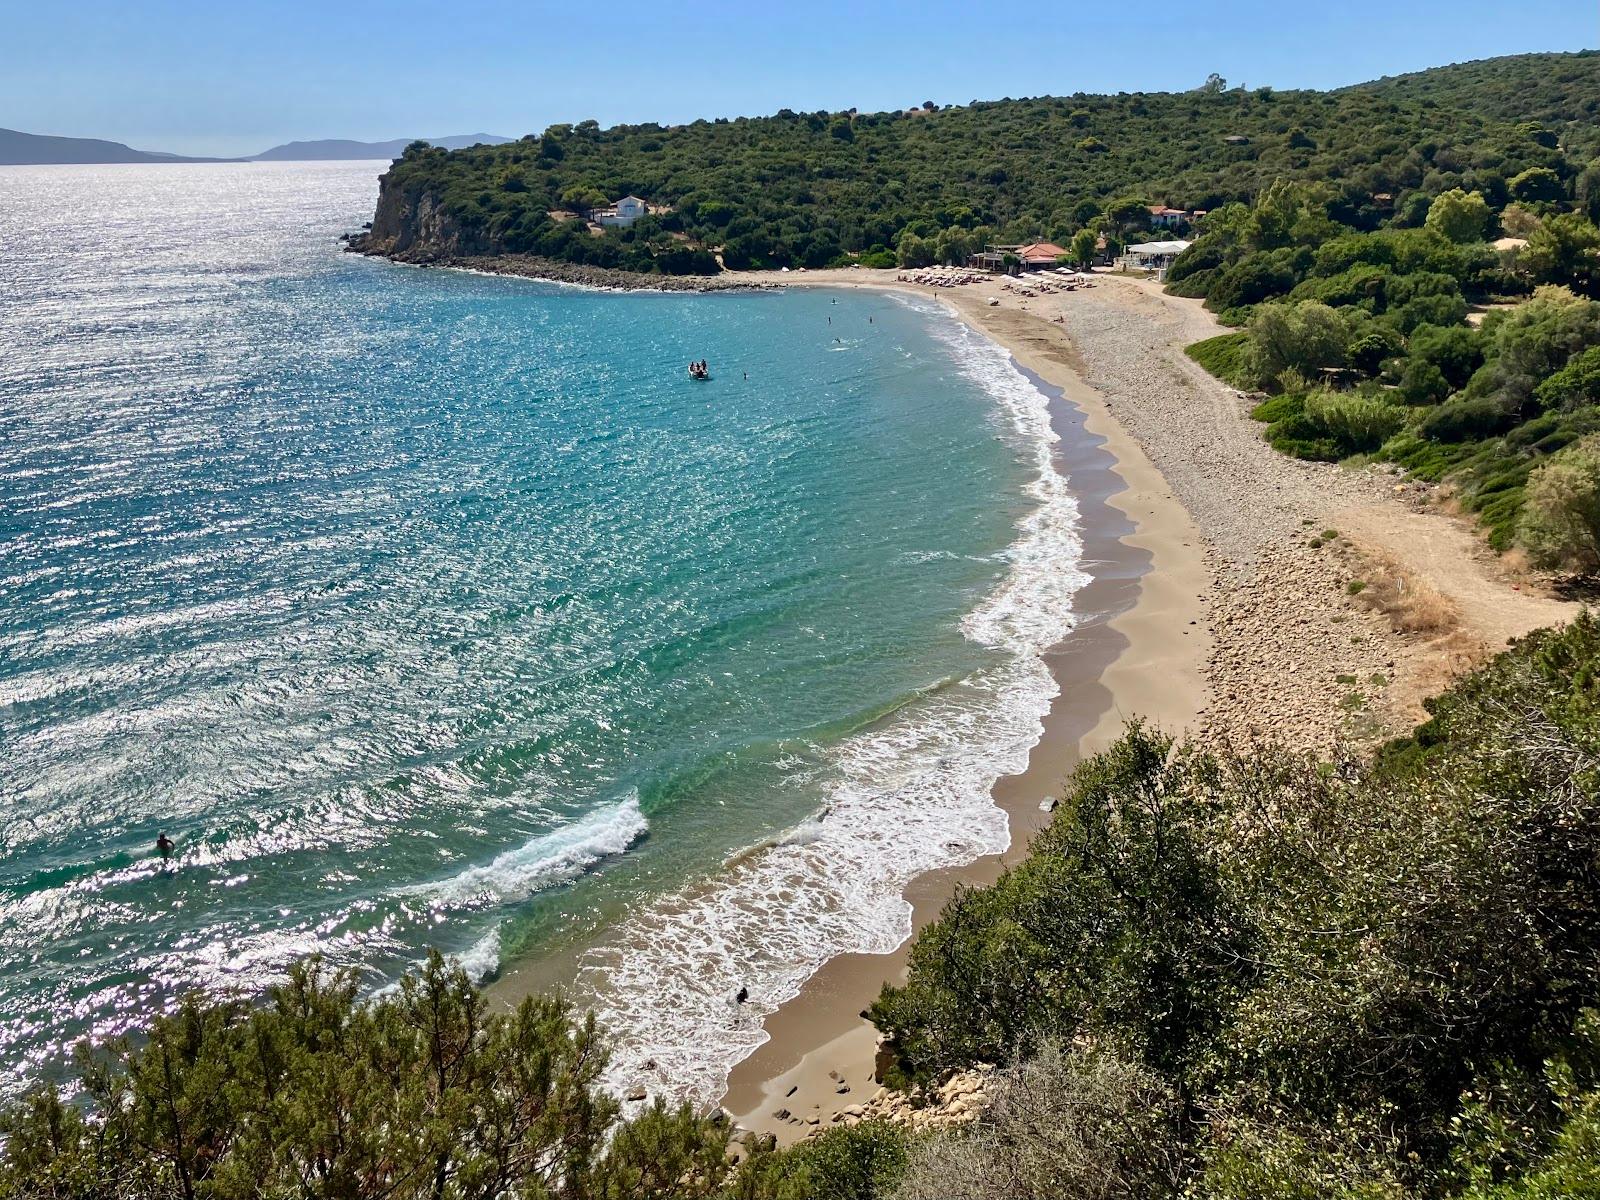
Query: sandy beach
x=1220, y=608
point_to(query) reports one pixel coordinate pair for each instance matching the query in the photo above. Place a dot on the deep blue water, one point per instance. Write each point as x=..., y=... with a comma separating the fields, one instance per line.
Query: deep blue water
x=423, y=608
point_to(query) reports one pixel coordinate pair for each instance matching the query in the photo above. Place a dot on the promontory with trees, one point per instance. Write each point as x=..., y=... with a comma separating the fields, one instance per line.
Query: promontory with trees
x=1412, y=263
x=1217, y=974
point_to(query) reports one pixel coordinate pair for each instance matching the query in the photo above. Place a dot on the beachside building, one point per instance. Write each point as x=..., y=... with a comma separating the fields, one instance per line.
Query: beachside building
x=1034, y=256
x=624, y=212
x=1037, y=256
x=1162, y=217
x=1152, y=256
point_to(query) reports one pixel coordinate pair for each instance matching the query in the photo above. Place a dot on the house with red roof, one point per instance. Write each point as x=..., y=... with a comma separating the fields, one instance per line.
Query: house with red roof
x=1039, y=254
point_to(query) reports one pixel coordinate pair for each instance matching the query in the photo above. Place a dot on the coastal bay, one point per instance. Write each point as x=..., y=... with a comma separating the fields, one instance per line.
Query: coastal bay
x=1238, y=628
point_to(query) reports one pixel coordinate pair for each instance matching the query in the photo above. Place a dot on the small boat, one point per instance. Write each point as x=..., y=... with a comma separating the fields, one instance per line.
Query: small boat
x=699, y=371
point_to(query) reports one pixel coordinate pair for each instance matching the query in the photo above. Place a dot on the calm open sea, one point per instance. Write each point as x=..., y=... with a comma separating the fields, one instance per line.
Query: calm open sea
x=424, y=608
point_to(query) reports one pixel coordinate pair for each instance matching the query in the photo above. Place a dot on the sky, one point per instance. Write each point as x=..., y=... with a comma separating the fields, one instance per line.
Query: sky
x=234, y=77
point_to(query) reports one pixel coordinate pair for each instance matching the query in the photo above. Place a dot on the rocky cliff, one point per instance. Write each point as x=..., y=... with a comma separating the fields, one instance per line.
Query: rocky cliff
x=411, y=225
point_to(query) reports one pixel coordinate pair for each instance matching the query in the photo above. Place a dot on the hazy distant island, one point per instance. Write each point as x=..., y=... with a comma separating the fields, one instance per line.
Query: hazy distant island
x=345, y=148
x=35, y=149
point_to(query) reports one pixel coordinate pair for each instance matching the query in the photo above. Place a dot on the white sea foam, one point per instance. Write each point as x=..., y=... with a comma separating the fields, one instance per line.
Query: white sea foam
x=909, y=796
x=482, y=958
x=544, y=861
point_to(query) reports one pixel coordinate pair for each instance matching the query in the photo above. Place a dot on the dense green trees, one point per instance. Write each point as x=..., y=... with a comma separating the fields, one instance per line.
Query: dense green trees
x=1023, y=168
x=425, y=1093
x=1356, y=979
x=1378, y=315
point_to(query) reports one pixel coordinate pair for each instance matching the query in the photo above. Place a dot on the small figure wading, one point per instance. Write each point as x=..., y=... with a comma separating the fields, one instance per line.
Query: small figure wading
x=164, y=847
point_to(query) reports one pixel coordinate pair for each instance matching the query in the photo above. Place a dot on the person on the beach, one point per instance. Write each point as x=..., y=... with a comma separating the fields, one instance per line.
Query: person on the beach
x=164, y=847
x=744, y=994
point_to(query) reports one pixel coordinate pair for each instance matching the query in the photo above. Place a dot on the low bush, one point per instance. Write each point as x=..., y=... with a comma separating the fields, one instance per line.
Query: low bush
x=855, y=1162
x=1061, y=1123
x=1467, y=420
x=1358, y=424
x=1223, y=357
x=1560, y=522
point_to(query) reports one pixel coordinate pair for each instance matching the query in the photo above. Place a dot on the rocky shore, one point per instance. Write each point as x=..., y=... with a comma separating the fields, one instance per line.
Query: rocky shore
x=528, y=267
x=956, y=1100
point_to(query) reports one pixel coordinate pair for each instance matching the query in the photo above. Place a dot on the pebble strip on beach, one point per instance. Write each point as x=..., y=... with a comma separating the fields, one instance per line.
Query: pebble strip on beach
x=1294, y=655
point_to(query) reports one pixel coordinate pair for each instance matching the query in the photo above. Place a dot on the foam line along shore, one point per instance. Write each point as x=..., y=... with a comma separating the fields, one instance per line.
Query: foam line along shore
x=1136, y=648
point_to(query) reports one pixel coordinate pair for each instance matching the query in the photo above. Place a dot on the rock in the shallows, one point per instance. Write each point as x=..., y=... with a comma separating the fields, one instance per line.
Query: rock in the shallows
x=636, y=1093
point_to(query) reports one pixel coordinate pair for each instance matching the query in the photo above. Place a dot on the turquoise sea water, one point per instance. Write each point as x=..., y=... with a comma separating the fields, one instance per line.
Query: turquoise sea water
x=423, y=608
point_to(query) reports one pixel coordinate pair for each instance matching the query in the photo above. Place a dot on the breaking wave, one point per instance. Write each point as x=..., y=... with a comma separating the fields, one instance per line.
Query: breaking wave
x=908, y=796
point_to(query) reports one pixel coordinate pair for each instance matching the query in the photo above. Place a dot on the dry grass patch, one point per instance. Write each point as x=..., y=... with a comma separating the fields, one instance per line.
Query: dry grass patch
x=1410, y=602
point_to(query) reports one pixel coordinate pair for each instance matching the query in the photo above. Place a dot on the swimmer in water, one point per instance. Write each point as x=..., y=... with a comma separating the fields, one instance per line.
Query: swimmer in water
x=164, y=847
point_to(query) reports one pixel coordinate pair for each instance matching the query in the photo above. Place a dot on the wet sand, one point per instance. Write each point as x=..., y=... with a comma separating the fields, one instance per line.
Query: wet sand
x=1137, y=650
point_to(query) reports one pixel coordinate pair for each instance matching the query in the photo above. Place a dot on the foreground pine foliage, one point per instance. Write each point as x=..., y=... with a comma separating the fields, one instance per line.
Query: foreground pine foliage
x=1214, y=976
x=1360, y=978
x=316, y=1094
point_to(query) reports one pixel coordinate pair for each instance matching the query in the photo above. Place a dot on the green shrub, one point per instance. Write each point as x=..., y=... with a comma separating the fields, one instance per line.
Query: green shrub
x=1356, y=423
x=1576, y=385
x=1223, y=357
x=1463, y=420
x=854, y=1162
x=1560, y=522
x=1305, y=336
x=1081, y=1122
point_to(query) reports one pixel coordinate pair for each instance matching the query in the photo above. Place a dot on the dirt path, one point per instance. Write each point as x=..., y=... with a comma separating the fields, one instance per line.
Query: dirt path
x=1339, y=599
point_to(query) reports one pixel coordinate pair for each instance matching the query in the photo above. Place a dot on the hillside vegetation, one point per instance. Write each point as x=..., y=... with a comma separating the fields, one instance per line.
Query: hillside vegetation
x=1221, y=977
x=1295, y=978
x=810, y=189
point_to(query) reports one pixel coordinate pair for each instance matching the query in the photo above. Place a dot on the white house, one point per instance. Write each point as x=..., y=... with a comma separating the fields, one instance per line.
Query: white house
x=1163, y=217
x=624, y=212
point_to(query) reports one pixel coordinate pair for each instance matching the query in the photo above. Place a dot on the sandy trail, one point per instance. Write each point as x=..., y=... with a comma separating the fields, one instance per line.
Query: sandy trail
x=1326, y=603
x=1296, y=654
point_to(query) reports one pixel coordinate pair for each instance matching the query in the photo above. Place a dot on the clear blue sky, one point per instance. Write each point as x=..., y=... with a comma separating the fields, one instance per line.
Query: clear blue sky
x=233, y=76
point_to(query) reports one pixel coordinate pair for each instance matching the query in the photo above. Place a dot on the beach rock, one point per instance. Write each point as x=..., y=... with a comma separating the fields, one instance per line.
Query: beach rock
x=883, y=1059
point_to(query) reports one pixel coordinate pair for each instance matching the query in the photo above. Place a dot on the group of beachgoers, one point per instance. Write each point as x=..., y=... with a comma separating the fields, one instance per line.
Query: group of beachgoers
x=700, y=370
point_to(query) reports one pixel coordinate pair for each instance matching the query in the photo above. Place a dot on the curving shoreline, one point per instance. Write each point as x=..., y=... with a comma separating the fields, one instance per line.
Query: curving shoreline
x=1244, y=626
x=1244, y=630
x=1137, y=650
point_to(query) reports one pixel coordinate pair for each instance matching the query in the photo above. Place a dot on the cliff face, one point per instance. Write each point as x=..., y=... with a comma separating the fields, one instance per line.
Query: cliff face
x=411, y=225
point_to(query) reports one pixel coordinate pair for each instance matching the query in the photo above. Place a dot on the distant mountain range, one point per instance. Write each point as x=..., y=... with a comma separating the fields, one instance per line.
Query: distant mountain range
x=17, y=149
x=345, y=148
